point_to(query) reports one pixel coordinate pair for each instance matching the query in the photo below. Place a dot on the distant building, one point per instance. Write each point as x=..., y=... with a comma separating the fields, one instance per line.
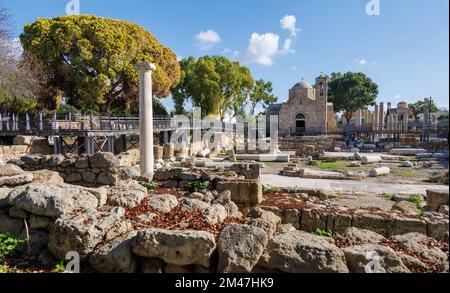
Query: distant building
x=307, y=111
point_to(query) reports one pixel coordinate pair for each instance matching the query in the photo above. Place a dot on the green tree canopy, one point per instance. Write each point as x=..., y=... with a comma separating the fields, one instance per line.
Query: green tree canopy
x=351, y=91
x=261, y=94
x=213, y=83
x=421, y=107
x=90, y=60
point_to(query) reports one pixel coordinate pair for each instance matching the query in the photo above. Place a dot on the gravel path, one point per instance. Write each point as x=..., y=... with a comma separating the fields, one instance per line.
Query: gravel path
x=347, y=186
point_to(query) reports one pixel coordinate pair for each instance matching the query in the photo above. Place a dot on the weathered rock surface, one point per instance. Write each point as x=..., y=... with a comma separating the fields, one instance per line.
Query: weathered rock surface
x=47, y=177
x=361, y=236
x=225, y=199
x=379, y=172
x=16, y=180
x=407, y=207
x=418, y=244
x=151, y=266
x=10, y=170
x=215, y=214
x=436, y=198
x=4, y=191
x=243, y=192
x=104, y=160
x=127, y=194
x=163, y=203
x=175, y=247
x=265, y=220
x=301, y=252
x=115, y=256
x=10, y=225
x=369, y=258
x=240, y=247
x=83, y=232
x=51, y=201
x=190, y=204
x=38, y=222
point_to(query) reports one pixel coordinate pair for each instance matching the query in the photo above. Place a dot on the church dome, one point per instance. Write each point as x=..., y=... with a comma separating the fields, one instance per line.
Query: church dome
x=303, y=84
x=402, y=105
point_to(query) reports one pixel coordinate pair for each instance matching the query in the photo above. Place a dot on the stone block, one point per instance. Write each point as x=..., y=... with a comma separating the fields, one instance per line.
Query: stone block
x=247, y=192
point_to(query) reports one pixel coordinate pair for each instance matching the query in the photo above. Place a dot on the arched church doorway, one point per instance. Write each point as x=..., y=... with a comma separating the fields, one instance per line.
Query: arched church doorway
x=300, y=124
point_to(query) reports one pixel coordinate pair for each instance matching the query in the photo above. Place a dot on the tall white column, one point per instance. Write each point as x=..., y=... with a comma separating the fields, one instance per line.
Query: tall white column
x=146, y=117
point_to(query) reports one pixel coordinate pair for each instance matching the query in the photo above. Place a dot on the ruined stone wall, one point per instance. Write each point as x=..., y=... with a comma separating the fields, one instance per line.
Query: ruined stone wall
x=25, y=145
x=96, y=170
x=310, y=145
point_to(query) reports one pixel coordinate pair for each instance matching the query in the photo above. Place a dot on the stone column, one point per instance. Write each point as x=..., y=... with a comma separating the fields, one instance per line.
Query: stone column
x=358, y=118
x=146, y=117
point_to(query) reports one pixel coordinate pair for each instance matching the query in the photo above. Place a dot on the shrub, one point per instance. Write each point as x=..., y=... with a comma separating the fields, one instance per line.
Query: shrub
x=11, y=245
x=417, y=199
x=323, y=233
x=60, y=267
x=149, y=185
x=197, y=186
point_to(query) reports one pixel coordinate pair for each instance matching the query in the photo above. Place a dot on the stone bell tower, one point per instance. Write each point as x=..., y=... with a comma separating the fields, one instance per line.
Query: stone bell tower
x=322, y=86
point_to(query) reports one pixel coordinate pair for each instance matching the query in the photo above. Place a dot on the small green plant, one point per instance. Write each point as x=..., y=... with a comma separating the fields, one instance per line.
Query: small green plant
x=323, y=233
x=4, y=269
x=197, y=186
x=417, y=199
x=149, y=185
x=60, y=267
x=409, y=174
x=389, y=196
x=334, y=197
x=11, y=245
x=269, y=189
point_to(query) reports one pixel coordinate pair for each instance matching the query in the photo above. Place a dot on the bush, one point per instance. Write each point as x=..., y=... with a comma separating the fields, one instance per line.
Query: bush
x=324, y=233
x=149, y=185
x=197, y=186
x=11, y=245
x=417, y=199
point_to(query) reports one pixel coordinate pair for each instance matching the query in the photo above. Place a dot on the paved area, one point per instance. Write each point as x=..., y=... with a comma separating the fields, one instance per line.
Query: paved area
x=349, y=187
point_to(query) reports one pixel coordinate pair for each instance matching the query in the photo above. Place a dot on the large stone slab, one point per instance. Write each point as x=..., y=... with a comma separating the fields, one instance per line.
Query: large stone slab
x=16, y=180
x=301, y=252
x=175, y=247
x=83, y=232
x=245, y=192
x=102, y=160
x=436, y=198
x=407, y=151
x=115, y=256
x=127, y=194
x=240, y=247
x=51, y=201
x=372, y=258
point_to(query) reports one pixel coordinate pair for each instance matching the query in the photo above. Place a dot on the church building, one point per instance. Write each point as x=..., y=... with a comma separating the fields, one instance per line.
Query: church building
x=307, y=111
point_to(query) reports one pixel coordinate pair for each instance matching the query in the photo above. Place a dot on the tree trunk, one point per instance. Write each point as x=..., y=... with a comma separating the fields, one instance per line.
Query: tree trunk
x=348, y=116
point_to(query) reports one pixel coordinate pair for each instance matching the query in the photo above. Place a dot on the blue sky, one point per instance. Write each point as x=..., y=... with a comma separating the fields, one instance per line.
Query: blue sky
x=405, y=49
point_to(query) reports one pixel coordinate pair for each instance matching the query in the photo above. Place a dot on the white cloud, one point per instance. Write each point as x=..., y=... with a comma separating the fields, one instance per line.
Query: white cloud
x=179, y=58
x=262, y=48
x=287, y=46
x=398, y=97
x=236, y=53
x=364, y=62
x=289, y=22
x=207, y=39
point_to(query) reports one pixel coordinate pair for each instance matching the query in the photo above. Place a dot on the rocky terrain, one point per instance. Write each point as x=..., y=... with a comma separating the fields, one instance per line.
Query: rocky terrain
x=203, y=220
